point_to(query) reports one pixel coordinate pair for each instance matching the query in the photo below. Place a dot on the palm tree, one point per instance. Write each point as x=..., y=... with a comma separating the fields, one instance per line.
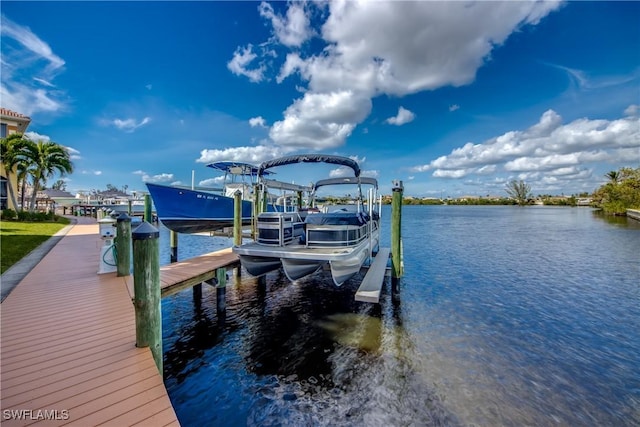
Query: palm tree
x=11, y=149
x=614, y=176
x=46, y=158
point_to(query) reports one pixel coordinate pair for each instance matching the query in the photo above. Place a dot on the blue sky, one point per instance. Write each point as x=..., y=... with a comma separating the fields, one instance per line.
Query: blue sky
x=453, y=98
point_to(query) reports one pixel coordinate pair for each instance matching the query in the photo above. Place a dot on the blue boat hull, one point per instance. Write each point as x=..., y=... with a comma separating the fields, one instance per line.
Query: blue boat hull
x=191, y=211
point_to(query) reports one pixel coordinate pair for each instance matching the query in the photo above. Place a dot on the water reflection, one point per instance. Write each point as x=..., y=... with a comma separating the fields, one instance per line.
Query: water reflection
x=504, y=317
x=304, y=352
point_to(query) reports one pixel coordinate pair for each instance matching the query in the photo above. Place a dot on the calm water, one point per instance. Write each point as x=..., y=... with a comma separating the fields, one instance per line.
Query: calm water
x=506, y=316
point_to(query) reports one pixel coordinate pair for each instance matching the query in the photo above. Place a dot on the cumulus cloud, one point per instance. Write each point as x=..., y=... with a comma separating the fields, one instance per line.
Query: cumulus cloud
x=454, y=107
x=404, y=116
x=291, y=30
x=257, y=121
x=549, y=148
x=163, y=177
x=320, y=120
x=255, y=155
x=369, y=49
x=240, y=62
x=28, y=69
x=212, y=182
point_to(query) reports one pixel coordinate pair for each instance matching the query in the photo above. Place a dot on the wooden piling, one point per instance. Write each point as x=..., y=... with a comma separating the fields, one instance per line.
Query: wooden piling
x=173, y=244
x=146, y=283
x=123, y=244
x=147, y=208
x=221, y=290
x=237, y=218
x=396, y=225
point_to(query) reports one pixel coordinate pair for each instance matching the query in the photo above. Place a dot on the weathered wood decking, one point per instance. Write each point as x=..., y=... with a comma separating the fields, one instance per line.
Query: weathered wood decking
x=67, y=345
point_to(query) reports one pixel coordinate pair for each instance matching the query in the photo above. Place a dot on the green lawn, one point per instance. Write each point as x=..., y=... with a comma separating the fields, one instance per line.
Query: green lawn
x=18, y=238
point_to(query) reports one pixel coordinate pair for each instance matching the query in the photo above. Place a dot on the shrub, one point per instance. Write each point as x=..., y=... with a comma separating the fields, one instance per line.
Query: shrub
x=8, y=214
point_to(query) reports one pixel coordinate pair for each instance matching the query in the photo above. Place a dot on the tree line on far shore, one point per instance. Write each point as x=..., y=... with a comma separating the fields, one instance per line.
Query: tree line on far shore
x=620, y=193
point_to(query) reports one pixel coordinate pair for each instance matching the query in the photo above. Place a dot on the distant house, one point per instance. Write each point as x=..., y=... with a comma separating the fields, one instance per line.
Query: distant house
x=57, y=198
x=10, y=123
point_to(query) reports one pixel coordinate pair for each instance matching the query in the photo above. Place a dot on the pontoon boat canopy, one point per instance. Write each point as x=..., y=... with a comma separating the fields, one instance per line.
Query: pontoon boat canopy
x=346, y=180
x=310, y=158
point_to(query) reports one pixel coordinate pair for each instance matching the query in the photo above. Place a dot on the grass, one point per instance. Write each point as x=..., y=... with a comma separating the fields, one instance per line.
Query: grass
x=18, y=238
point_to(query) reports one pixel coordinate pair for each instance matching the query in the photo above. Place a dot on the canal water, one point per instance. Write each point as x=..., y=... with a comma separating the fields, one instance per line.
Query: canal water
x=506, y=316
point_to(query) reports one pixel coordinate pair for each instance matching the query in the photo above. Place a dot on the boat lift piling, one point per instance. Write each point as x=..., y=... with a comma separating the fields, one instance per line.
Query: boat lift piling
x=123, y=245
x=146, y=284
x=396, y=235
x=147, y=208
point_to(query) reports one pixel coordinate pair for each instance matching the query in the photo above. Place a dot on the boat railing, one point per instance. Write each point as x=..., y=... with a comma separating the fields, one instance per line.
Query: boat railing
x=279, y=228
x=335, y=235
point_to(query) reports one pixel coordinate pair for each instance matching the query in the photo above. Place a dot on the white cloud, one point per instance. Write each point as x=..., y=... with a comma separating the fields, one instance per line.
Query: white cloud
x=163, y=177
x=548, y=148
x=320, y=120
x=212, y=182
x=257, y=121
x=632, y=110
x=35, y=136
x=454, y=107
x=254, y=155
x=292, y=30
x=129, y=125
x=29, y=67
x=404, y=116
x=242, y=57
x=369, y=49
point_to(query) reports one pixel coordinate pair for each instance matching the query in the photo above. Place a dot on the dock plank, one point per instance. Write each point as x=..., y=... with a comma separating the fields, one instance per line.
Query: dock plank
x=369, y=290
x=190, y=272
x=67, y=340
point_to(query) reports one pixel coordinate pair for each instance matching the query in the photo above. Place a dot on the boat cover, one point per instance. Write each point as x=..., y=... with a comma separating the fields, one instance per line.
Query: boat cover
x=310, y=158
x=347, y=180
x=338, y=218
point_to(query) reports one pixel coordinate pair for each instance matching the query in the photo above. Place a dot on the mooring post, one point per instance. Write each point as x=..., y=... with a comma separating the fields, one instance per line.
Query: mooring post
x=396, y=223
x=146, y=286
x=129, y=207
x=147, y=208
x=123, y=244
x=237, y=218
x=173, y=244
x=221, y=290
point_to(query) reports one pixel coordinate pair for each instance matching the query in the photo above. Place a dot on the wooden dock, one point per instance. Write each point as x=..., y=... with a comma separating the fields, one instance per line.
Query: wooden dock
x=67, y=345
x=193, y=271
x=369, y=290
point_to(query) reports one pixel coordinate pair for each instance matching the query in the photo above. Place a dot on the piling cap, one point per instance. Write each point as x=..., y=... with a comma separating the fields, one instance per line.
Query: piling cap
x=397, y=185
x=145, y=231
x=123, y=217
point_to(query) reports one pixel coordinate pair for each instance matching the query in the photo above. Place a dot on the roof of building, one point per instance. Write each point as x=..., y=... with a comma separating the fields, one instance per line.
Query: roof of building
x=57, y=193
x=9, y=113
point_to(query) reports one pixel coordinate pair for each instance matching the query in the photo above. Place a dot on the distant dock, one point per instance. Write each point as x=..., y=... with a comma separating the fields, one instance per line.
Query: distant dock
x=634, y=214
